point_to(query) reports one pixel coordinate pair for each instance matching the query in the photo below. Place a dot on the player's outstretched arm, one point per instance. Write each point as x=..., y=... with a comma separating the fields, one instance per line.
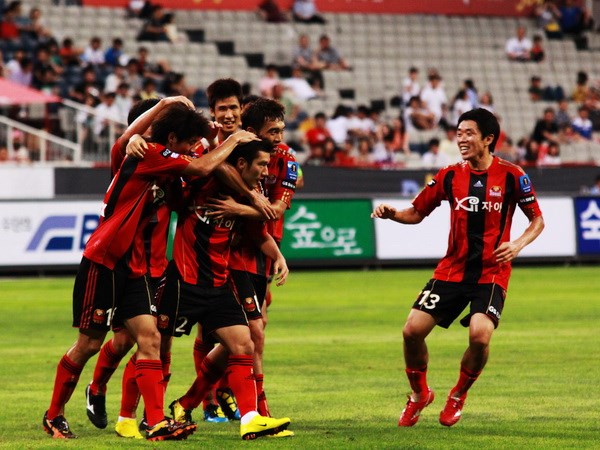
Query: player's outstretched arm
x=407, y=216
x=507, y=251
x=202, y=167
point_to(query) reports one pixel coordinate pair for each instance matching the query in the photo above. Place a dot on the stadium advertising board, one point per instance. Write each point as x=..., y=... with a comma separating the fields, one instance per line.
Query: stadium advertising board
x=26, y=182
x=429, y=239
x=449, y=7
x=328, y=229
x=587, y=218
x=45, y=233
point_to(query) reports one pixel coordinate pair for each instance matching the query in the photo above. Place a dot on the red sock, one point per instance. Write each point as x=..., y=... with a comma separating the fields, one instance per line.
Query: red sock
x=130, y=393
x=148, y=375
x=417, y=379
x=261, y=397
x=166, y=369
x=465, y=381
x=209, y=375
x=201, y=349
x=107, y=363
x=242, y=382
x=67, y=376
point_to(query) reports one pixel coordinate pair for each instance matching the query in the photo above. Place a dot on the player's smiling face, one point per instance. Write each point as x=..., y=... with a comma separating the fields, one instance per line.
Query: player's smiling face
x=272, y=132
x=471, y=144
x=256, y=171
x=227, y=112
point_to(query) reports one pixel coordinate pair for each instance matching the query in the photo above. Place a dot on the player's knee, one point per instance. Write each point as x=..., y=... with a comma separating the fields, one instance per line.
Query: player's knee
x=411, y=333
x=479, y=341
x=122, y=343
x=148, y=341
x=243, y=347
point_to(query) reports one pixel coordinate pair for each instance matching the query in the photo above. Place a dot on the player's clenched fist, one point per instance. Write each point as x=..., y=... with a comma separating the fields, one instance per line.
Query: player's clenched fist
x=383, y=211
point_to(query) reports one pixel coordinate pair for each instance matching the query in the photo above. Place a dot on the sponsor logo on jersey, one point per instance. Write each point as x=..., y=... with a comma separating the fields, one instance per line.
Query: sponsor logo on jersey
x=163, y=321
x=288, y=185
x=478, y=184
x=525, y=184
x=495, y=191
x=99, y=315
x=473, y=204
x=527, y=200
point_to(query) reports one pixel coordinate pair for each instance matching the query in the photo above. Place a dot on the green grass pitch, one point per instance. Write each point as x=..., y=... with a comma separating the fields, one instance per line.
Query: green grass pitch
x=334, y=366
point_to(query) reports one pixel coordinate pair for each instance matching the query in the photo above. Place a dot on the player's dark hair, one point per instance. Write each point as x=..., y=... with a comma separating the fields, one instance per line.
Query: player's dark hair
x=248, y=99
x=261, y=111
x=486, y=122
x=177, y=118
x=248, y=151
x=140, y=108
x=223, y=88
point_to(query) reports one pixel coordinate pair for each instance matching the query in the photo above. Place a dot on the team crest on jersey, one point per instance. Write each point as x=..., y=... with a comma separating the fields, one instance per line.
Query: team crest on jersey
x=99, y=316
x=495, y=191
x=525, y=184
x=163, y=321
x=249, y=305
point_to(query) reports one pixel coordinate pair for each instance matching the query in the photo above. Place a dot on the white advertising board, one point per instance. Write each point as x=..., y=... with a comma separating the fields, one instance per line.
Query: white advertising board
x=22, y=182
x=45, y=233
x=429, y=239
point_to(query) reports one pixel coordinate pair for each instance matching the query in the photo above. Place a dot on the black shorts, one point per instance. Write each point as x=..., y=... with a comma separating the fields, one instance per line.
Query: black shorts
x=182, y=305
x=105, y=298
x=250, y=290
x=445, y=301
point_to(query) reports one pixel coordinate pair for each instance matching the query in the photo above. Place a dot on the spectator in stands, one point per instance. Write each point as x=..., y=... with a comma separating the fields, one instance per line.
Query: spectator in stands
x=33, y=31
x=4, y=156
x=338, y=125
x=175, y=84
x=563, y=117
x=401, y=136
x=268, y=81
x=114, y=54
x=171, y=29
x=546, y=93
x=469, y=86
x=547, y=15
x=105, y=113
x=10, y=35
x=318, y=133
x=537, y=49
x=449, y=145
x=434, y=97
x=574, y=18
x=582, y=90
x=507, y=151
x=552, y=156
x=532, y=151
x=150, y=69
x=21, y=153
x=364, y=155
x=123, y=101
x=595, y=189
x=417, y=116
x=330, y=56
x=133, y=76
x=433, y=158
x=361, y=124
x=545, y=128
x=486, y=101
x=461, y=104
x=582, y=125
x=69, y=54
x=305, y=58
x=142, y=9
x=294, y=114
x=154, y=29
x=15, y=68
x=305, y=11
x=383, y=150
x=93, y=54
x=115, y=78
x=42, y=64
x=518, y=48
x=410, y=86
x=89, y=85
x=270, y=11
x=299, y=87
x=345, y=155
x=149, y=90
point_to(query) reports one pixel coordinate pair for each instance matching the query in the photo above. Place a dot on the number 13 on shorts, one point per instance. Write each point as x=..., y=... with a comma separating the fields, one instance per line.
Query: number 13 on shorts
x=428, y=300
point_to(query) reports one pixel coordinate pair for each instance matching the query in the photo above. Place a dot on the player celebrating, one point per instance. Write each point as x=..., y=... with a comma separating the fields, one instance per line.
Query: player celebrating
x=197, y=290
x=111, y=287
x=483, y=191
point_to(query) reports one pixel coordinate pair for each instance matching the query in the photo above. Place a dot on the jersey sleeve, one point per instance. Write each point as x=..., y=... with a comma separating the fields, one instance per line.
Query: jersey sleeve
x=116, y=158
x=162, y=161
x=432, y=194
x=286, y=178
x=526, y=198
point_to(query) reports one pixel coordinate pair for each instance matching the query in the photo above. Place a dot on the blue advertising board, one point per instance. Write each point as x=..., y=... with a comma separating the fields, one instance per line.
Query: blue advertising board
x=587, y=221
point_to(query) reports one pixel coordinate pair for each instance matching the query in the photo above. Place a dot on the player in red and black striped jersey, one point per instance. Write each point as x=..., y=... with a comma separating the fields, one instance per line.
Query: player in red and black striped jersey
x=483, y=192
x=197, y=291
x=114, y=256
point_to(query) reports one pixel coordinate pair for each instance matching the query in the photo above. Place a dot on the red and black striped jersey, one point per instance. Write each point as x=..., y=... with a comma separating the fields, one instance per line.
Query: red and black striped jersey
x=129, y=205
x=482, y=204
x=280, y=184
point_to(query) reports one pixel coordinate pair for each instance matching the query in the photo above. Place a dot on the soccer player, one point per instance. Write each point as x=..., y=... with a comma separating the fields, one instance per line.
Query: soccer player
x=111, y=287
x=197, y=290
x=139, y=121
x=250, y=269
x=483, y=192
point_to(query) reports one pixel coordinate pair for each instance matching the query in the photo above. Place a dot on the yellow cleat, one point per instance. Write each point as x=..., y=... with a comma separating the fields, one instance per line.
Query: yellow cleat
x=128, y=428
x=262, y=426
x=283, y=434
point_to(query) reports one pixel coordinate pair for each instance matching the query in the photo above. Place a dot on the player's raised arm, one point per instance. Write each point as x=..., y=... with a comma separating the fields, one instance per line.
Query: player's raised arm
x=408, y=215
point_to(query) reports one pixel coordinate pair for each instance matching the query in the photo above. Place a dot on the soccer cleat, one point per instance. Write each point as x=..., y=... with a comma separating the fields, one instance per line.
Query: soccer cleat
x=214, y=414
x=452, y=411
x=58, y=427
x=143, y=426
x=179, y=414
x=283, y=434
x=412, y=410
x=128, y=428
x=170, y=430
x=96, y=408
x=228, y=404
x=262, y=426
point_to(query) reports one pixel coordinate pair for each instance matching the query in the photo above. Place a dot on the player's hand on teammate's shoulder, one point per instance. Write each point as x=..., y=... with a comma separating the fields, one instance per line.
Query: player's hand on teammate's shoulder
x=181, y=99
x=214, y=128
x=243, y=137
x=383, y=211
x=263, y=205
x=136, y=147
x=222, y=207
